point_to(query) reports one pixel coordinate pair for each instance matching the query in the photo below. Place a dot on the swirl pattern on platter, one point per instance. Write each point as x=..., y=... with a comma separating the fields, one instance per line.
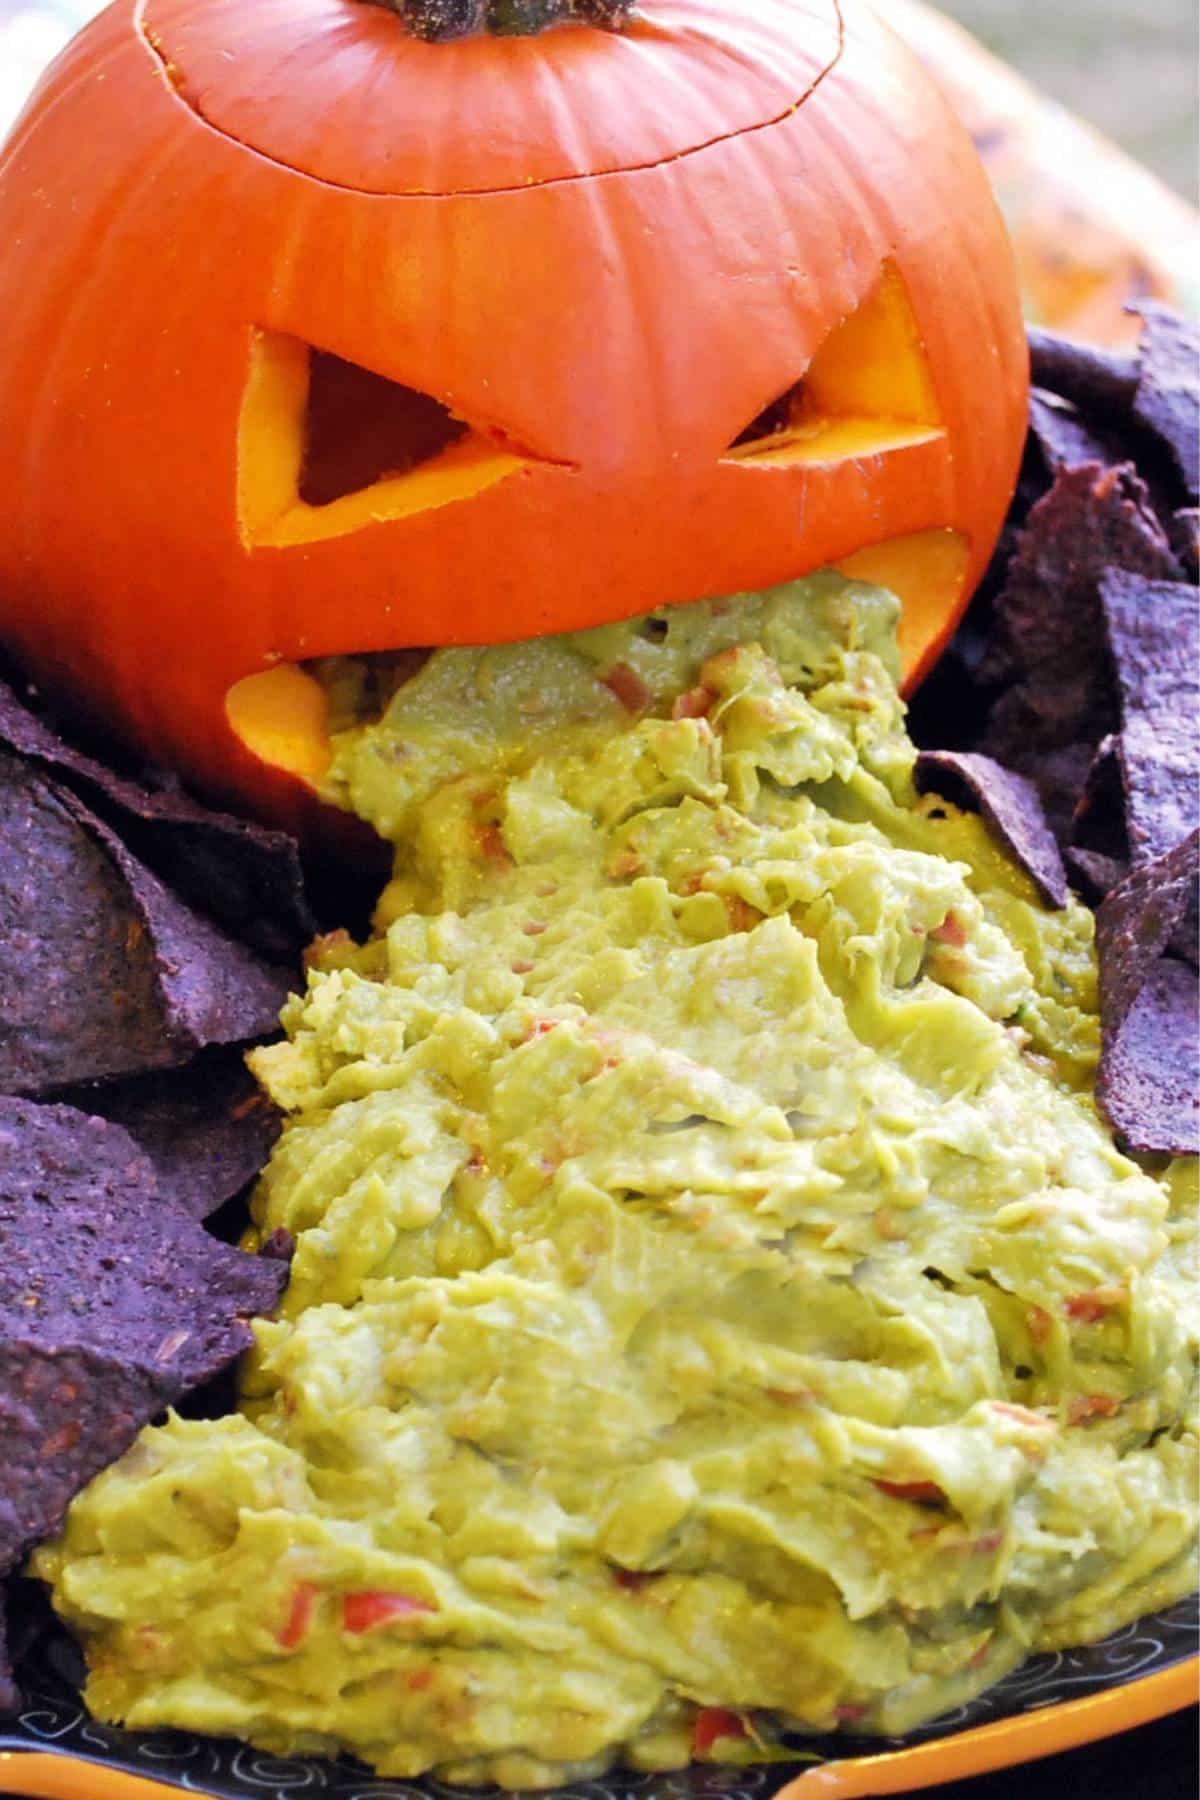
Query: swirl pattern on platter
x=55, y=1719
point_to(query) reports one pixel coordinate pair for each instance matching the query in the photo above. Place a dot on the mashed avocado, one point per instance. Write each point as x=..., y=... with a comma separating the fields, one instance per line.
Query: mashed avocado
x=717, y=1307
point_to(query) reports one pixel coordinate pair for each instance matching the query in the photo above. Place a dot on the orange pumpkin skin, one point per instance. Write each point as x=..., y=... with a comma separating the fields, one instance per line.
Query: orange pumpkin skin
x=606, y=252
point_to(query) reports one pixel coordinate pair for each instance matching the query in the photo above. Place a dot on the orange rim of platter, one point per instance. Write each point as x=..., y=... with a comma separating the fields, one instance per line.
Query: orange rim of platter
x=55, y=1775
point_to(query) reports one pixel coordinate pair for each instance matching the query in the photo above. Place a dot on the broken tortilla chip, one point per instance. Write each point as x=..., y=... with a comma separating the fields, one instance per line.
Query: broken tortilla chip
x=208, y=1128
x=1065, y=438
x=102, y=970
x=1093, y=519
x=245, y=876
x=1135, y=924
x=113, y=1304
x=1051, y=636
x=1095, y=874
x=1048, y=674
x=1010, y=804
x=1158, y=761
x=1098, y=380
x=1147, y=1083
x=1167, y=401
x=1153, y=630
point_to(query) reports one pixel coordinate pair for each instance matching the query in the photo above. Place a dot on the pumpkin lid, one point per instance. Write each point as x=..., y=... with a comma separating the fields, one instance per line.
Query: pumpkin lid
x=574, y=101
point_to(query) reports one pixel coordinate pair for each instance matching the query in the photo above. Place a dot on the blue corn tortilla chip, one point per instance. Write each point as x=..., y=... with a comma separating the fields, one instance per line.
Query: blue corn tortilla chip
x=1100, y=382
x=1045, y=691
x=1167, y=400
x=1061, y=777
x=1066, y=438
x=1135, y=924
x=1148, y=1080
x=208, y=1128
x=245, y=876
x=1049, y=634
x=1095, y=874
x=1153, y=630
x=1082, y=409
x=1158, y=761
x=214, y=990
x=1011, y=806
x=1147, y=401
x=114, y=1303
x=1099, y=490
x=103, y=971
x=77, y=994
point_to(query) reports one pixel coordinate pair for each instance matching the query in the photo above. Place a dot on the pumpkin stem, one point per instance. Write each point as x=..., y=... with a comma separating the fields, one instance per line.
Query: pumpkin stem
x=438, y=19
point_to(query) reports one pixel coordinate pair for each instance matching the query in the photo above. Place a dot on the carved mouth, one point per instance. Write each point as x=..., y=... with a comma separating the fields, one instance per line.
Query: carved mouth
x=283, y=714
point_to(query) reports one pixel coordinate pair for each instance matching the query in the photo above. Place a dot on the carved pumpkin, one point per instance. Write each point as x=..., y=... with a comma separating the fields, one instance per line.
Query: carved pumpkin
x=321, y=337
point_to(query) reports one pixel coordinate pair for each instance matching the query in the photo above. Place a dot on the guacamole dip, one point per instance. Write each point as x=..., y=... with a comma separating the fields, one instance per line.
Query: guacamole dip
x=717, y=1307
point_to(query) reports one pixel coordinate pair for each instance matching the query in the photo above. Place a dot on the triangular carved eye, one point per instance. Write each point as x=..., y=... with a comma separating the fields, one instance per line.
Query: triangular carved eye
x=359, y=427
x=867, y=390
x=326, y=448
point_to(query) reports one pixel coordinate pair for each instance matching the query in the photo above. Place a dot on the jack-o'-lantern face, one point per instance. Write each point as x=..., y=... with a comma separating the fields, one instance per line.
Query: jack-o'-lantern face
x=386, y=343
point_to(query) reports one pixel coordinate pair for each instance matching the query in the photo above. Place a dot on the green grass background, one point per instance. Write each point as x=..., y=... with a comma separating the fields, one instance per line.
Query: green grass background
x=1130, y=66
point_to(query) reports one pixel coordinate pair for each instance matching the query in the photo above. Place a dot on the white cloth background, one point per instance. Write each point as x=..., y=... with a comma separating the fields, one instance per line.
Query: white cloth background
x=30, y=34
